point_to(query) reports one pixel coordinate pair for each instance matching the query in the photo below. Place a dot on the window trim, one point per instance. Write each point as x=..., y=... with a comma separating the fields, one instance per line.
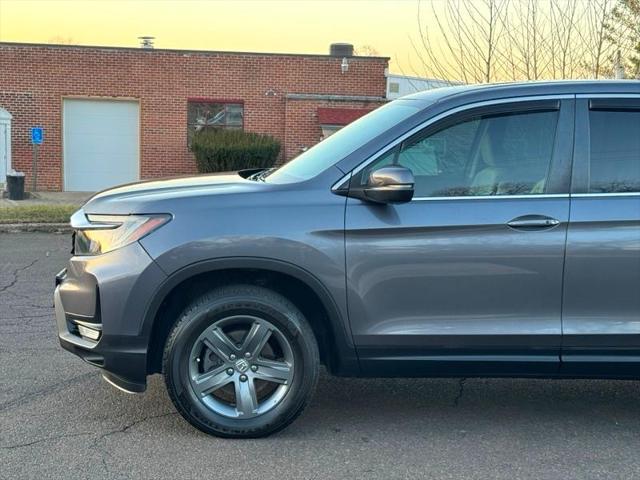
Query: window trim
x=220, y=101
x=614, y=104
x=493, y=197
x=586, y=103
x=214, y=100
x=601, y=194
x=495, y=106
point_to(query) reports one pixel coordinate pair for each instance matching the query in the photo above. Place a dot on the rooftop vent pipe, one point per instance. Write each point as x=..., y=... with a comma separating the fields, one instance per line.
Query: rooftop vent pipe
x=146, y=42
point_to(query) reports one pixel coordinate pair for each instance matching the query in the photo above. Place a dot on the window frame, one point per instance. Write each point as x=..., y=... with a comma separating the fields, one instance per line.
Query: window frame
x=561, y=159
x=585, y=103
x=213, y=101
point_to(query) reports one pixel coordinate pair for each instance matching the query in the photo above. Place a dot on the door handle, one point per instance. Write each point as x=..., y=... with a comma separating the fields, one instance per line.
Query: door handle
x=533, y=222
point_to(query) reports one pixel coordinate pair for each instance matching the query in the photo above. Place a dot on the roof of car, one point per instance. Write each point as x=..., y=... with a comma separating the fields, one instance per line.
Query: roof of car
x=530, y=88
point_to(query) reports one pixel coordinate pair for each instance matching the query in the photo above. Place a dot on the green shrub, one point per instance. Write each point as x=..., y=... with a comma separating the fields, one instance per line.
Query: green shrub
x=218, y=150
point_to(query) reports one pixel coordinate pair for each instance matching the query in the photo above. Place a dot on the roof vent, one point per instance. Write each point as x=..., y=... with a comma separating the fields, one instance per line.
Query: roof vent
x=146, y=42
x=341, y=50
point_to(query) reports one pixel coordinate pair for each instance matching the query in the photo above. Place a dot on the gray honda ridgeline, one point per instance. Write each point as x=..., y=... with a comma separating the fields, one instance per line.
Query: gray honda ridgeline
x=466, y=231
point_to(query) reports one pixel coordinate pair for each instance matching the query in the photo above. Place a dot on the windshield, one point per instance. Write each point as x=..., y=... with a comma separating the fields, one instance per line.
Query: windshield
x=343, y=142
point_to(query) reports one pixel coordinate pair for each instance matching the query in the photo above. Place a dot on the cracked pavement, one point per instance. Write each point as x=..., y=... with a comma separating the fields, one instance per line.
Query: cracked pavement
x=59, y=419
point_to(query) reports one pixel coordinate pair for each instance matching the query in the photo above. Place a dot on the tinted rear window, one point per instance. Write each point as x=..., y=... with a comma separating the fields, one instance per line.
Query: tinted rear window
x=615, y=151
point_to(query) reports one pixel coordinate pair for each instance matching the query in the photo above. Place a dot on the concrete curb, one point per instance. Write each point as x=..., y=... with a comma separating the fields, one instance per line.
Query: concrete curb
x=35, y=227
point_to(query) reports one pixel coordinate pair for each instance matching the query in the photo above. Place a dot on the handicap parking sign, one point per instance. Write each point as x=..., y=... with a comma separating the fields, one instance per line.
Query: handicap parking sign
x=37, y=134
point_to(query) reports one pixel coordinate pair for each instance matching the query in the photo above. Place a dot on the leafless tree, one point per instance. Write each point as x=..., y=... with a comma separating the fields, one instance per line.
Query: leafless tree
x=600, y=52
x=468, y=33
x=624, y=32
x=366, y=51
x=495, y=40
x=62, y=40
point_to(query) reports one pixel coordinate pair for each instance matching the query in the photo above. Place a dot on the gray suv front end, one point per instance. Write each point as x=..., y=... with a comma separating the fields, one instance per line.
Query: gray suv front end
x=100, y=306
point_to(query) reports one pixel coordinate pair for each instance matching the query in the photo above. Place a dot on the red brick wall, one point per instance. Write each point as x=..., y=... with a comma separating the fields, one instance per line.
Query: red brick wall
x=301, y=120
x=34, y=79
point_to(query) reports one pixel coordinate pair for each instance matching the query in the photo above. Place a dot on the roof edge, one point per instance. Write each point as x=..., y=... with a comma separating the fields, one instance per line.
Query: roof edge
x=181, y=51
x=334, y=98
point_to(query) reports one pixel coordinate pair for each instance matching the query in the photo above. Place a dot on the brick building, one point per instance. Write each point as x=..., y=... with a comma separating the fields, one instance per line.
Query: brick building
x=112, y=115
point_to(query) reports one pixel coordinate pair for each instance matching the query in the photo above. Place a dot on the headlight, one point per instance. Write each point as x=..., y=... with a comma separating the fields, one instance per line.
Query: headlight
x=96, y=234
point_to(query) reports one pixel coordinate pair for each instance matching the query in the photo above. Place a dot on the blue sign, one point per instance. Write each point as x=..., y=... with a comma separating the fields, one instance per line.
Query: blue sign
x=37, y=135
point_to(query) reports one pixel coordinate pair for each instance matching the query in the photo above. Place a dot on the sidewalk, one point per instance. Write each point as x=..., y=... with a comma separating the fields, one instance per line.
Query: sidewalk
x=48, y=198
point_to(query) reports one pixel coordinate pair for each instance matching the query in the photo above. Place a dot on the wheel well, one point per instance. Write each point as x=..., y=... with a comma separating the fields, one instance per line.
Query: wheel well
x=292, y=288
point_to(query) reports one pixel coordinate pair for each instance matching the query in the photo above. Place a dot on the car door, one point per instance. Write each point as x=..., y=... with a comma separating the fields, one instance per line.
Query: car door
x=467, y=277
x=601, y=307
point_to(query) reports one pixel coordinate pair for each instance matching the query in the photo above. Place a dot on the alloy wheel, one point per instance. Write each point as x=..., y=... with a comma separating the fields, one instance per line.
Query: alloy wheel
x=241, y=366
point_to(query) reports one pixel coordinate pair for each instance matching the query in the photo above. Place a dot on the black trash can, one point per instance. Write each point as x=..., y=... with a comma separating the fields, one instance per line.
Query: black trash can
x=15, y=185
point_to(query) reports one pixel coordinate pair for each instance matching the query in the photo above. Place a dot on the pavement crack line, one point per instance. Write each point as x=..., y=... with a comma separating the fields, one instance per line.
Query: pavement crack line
x=32, y=305
x=26, y=317
x=16, y=274
x=42, y=440
x=49, y=389
x=122, y=429
x=456, y=400
x=129, y=426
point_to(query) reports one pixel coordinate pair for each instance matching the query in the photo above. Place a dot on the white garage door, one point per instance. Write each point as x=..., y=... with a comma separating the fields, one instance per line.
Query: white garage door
x=101, y=144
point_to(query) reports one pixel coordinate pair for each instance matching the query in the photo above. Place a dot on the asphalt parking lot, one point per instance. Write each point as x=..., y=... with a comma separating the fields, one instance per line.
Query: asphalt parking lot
x=59, y=419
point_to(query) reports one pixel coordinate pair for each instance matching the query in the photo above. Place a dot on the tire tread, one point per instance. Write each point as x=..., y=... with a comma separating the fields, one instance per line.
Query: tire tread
x=239, y=293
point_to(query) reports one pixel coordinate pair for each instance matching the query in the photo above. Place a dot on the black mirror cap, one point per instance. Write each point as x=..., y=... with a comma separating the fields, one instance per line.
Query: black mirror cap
x=384, y=186
x=392, y=184
x=393, y=176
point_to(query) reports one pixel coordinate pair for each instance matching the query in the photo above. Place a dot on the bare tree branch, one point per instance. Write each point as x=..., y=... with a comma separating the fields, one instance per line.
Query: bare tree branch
x=494, y=40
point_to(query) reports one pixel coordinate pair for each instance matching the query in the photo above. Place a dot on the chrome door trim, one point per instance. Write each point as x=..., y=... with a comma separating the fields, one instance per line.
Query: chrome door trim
x=494, y=197
x=453, y=111
x=611, y=194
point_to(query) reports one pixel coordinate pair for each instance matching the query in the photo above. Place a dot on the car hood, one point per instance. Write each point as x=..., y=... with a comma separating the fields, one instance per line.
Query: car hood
x=155, y=196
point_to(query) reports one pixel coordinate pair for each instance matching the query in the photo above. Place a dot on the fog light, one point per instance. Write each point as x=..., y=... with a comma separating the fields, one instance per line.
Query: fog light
x=88, y=332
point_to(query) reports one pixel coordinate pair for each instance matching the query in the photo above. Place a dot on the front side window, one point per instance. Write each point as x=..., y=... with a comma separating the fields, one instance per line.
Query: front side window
x=203, y=115
x=505, y=154
x=615, y=151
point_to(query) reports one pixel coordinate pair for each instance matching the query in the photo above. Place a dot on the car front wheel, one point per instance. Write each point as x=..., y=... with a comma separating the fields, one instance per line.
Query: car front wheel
x=241, y=361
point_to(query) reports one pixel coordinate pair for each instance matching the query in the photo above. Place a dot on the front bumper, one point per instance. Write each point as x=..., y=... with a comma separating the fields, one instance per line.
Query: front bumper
x=106, y=296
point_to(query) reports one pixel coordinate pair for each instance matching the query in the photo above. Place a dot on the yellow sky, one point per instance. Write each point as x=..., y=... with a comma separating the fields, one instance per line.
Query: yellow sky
x=298, y=26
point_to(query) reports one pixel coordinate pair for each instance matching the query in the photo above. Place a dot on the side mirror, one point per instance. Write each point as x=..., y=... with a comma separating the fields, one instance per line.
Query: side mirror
x=389, y=185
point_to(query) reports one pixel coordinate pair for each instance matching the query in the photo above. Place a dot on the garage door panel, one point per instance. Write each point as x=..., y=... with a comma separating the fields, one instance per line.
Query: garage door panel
x=95, y=125
x=106, y=168
x=93, y=182
x=101, y=143
x=108, y=108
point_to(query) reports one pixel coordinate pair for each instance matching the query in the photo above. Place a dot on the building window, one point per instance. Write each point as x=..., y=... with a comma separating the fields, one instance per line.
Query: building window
x=202, y=114
x=328, y=130
x=394, y=87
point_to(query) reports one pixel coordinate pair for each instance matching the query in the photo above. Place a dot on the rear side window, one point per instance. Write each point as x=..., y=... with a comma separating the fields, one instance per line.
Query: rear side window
x=615, y=151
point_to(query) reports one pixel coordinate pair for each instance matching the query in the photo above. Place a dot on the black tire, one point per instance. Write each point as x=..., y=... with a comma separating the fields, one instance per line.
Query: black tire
x=238, y=301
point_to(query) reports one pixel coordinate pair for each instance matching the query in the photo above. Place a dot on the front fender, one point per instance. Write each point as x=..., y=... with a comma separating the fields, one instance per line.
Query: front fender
x=346, y=361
